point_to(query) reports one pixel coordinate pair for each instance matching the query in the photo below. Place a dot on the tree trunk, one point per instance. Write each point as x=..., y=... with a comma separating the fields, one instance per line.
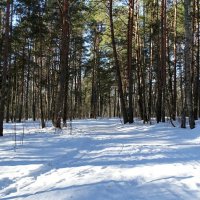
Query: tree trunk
x=3, y=89
x=27, y=84
x=41, y=86
x=198, y=45
x=63, y=79
x=188, y=62
x=175, y=62
x=94, y=97
x=129, y=60
x=79, y=90
x=163, y=57
x=33, y=100
x=117, y=65
x=21, y=101
x=150, y=79
x=158, y=69
x=195, y=62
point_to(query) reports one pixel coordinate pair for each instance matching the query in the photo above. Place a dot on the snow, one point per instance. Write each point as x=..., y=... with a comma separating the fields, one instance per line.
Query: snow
x=100, y=160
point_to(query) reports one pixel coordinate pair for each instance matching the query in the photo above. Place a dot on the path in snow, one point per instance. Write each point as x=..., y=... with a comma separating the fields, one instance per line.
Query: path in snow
x=101, y=160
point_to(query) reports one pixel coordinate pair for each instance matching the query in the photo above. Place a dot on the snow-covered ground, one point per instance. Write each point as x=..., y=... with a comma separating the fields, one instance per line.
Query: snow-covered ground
x=100, y=160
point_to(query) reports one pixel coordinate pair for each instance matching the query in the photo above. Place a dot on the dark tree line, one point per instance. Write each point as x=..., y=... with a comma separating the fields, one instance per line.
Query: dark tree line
x=65, y=59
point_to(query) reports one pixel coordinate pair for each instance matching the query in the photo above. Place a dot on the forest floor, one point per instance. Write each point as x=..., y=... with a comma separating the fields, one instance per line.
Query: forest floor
x=100, y=160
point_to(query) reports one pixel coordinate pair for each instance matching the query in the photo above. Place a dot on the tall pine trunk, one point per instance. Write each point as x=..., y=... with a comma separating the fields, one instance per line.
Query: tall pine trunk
x=175, y=62
x=196, y=57
x=117, y=64
x=188, y=62
x=163, y=57
x=129, y=60
x=63, y=79
x=3, y=89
